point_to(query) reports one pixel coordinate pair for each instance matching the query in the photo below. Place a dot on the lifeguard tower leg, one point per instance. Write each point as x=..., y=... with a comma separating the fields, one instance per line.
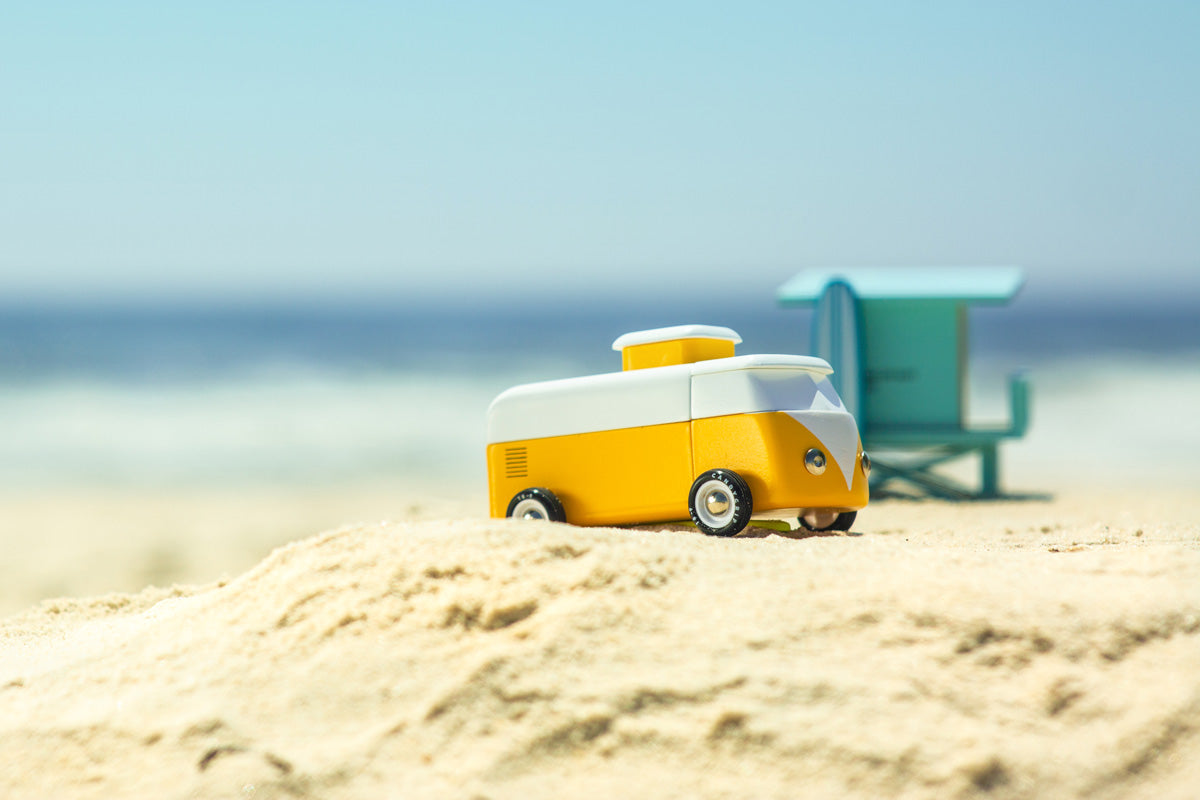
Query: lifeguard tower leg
x=990, y=470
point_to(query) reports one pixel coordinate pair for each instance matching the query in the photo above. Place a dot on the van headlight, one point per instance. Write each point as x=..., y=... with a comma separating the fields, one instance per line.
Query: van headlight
x=866, y=464
x=814, y=461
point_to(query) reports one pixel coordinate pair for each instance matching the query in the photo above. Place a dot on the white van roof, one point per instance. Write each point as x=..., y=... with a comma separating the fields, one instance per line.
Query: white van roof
x=818, y=366
x=655, y=396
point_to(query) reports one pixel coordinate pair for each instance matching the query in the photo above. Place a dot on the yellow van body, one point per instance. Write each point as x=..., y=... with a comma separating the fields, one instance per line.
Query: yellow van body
x=644, y=474
x=626, y=447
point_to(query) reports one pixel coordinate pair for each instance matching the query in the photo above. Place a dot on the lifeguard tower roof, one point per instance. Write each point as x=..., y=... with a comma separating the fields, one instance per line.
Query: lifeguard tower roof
x=969, y=284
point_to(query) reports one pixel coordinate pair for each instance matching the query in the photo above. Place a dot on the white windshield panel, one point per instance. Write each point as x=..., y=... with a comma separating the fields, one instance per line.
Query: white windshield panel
x=749, y=391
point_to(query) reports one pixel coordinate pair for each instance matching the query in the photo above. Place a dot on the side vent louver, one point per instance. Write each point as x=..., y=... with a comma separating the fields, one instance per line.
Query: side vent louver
x=516, y=462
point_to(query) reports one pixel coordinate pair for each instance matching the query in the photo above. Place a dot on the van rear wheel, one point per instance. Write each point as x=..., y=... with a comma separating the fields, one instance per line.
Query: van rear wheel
x=536, y=503
x=818, y=521
x=720, y=503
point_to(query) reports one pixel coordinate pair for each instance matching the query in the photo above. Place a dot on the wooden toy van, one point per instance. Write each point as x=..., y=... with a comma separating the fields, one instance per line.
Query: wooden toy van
x=686, y=429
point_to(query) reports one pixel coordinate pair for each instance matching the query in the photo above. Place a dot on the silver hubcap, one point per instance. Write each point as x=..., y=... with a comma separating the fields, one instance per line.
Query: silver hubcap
x=717, y=503
x=530, y=509
x=714, y=504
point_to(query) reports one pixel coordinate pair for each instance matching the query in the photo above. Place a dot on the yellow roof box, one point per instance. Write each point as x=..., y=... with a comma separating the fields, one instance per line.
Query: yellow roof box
x=679, y=344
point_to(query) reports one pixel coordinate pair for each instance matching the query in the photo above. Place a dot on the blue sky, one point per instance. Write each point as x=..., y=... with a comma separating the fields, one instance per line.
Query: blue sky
x=261, y=149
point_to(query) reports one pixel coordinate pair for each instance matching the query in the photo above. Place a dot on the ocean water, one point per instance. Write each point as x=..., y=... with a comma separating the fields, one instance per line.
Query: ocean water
x=196, y=396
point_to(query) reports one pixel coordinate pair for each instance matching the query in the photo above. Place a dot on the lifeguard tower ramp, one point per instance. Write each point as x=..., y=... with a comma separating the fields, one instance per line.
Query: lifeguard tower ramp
x=897, y=340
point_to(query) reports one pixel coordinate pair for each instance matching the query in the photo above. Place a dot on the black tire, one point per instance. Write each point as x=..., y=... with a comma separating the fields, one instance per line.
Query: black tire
x=841, y=523
x=536, y=504
x=721, y=486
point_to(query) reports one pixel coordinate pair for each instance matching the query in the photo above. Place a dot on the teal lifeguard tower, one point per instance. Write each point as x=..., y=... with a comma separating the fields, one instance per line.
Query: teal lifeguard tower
x=897, y=341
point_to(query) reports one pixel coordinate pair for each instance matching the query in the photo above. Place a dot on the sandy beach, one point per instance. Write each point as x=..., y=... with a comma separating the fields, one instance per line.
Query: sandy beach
x=275, y=282
x=1043, y=648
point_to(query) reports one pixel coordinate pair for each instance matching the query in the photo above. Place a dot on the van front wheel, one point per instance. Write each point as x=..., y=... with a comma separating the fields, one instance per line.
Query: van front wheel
x=720, y=503
x=536, y=504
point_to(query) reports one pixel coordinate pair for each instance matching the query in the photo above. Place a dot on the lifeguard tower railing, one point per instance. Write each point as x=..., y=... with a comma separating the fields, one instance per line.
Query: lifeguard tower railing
x=897, y=340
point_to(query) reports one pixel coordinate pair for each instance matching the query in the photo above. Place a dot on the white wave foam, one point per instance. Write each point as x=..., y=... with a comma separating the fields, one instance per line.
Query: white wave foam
x=264, y=430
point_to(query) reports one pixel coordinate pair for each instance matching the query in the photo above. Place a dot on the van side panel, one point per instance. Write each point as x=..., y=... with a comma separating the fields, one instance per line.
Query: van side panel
x=767, y=449
x=613, y=477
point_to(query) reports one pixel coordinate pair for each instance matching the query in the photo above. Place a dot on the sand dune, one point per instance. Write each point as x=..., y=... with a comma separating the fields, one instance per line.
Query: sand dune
x=1000, y=650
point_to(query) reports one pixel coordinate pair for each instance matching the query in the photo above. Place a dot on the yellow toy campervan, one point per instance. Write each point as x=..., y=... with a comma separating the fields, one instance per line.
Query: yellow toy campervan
x=687, y=428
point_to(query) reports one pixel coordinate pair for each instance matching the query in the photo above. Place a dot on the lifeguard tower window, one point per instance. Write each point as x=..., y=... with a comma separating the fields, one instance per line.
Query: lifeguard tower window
x=897, y=341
